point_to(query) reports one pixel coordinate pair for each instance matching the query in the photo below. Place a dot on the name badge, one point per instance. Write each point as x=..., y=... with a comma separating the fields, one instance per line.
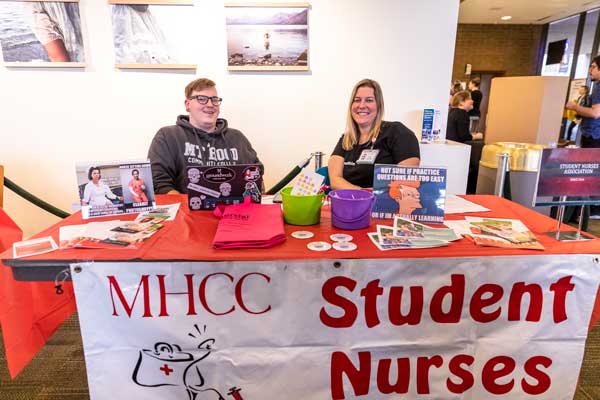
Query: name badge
x=367, y=156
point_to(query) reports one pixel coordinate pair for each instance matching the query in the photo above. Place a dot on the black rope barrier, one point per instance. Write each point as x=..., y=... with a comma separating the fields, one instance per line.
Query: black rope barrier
x=34, y=199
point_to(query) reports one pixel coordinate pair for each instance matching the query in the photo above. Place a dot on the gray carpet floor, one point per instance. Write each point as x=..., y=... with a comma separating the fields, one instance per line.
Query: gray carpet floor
x=58, y=371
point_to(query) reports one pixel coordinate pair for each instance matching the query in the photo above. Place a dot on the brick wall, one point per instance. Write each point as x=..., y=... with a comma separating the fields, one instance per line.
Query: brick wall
x=509, y=48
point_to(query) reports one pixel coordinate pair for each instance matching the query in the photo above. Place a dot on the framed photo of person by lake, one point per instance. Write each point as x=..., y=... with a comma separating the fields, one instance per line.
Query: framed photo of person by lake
x=153, y=34
x=267, y=36
x=41, y=34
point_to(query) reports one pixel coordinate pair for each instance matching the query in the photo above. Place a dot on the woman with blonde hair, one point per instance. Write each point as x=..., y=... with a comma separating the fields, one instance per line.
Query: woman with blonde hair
x=369, y=140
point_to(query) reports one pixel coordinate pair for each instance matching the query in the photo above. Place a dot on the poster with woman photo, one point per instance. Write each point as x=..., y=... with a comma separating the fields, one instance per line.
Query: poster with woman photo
x=114, y=188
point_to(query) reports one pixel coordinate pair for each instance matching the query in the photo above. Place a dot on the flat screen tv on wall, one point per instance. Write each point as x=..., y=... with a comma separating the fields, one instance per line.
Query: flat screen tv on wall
x=556, y=51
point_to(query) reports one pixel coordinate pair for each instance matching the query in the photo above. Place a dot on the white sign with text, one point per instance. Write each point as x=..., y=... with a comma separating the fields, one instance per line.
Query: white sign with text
x=444, y=328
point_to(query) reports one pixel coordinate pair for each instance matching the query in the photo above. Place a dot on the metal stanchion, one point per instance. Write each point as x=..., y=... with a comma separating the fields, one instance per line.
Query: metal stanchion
x=501, y=174
x=318, y=159
x=568, y=236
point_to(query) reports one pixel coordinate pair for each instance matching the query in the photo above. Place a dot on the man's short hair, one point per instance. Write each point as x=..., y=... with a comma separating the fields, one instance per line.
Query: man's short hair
x=596, y=60
x=197, y=85
x=476, y=82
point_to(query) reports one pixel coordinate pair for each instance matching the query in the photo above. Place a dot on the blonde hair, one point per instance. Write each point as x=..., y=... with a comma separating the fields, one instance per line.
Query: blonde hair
x=198, y=85
x=352, y=133
x=460, y=97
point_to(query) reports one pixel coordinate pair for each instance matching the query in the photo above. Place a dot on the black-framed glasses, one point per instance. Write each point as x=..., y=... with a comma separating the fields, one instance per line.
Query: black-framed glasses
x=204, y=99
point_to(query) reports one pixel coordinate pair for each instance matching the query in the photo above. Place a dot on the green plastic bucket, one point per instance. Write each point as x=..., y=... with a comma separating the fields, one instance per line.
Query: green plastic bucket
x=301, y=210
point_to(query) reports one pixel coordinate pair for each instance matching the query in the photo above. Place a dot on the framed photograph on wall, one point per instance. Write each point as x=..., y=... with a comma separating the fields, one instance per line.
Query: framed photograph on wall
x=267, y=36
x=41, y=33
x=153, y=34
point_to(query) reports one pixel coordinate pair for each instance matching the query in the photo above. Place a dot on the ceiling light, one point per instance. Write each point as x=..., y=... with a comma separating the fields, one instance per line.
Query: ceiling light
x=506, y=18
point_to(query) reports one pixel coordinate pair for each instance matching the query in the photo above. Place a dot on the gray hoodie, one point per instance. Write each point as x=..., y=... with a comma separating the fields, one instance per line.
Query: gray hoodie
x=176, y=147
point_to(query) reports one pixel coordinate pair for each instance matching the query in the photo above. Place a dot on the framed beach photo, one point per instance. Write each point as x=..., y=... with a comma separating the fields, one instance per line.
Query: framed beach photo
x=153, y=34
x=267, y=36
x=41, y=33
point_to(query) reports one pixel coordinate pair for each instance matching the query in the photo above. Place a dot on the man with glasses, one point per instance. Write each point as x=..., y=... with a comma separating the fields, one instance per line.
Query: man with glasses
x=200, y=138
x=590, y=120
x=590, y=116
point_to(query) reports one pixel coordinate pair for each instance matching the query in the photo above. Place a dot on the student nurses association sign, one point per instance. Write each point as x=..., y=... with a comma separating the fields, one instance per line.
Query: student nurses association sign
x=458, y=328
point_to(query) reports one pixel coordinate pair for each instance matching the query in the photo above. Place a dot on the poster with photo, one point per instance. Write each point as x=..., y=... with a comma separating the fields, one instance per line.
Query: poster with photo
x=41, y=33
x=415, y=193
x=267, y=36
x=149, y=34
x=114, y=188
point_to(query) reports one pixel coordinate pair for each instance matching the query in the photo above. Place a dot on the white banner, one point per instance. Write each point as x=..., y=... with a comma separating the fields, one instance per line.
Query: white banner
x=457, y=328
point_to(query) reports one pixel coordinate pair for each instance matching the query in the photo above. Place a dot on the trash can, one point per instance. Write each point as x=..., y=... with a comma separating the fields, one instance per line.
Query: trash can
x=524, y=161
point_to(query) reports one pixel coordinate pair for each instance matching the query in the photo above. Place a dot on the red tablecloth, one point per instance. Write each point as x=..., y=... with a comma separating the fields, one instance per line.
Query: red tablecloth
x=30, y=312
x=189, y=238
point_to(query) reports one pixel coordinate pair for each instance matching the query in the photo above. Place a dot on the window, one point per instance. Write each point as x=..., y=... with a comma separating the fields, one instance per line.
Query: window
x=564, y=29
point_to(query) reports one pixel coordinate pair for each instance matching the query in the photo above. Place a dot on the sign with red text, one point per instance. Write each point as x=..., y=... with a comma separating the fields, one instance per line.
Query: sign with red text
x=472, y=328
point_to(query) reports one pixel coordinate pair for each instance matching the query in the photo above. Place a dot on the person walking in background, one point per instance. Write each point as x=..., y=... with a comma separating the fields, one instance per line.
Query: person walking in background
x=590, y=119
x=458, y=125
x=584, y=101
x=455, y=87
x=477, y=96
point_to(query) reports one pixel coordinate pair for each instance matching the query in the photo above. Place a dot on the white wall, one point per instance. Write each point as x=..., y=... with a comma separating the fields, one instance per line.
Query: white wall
x=50, y=119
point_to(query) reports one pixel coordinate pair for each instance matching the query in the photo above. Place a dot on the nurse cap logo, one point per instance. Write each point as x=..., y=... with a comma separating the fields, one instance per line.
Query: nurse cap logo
x=166, y=366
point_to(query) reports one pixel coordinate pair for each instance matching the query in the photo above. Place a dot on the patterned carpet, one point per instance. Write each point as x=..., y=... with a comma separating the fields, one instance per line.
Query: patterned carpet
x=58, y=371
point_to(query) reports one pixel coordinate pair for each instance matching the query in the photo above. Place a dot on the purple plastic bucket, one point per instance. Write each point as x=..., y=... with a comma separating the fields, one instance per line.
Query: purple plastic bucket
x=351, y=208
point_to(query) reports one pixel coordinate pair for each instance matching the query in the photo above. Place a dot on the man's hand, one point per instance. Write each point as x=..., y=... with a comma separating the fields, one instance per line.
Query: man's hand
x=571, y=105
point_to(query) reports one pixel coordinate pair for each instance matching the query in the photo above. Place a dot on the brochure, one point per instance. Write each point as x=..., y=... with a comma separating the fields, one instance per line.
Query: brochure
x=407, y=228
x=34, y=246
x=387, y=243
x=109, y=234
x=114, y=188
x=166, y=211
x=458, y=205
x=505, y=233
x=416, y=193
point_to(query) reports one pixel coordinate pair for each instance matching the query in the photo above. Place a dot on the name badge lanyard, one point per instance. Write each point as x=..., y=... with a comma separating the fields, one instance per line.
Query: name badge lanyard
x=368, y=156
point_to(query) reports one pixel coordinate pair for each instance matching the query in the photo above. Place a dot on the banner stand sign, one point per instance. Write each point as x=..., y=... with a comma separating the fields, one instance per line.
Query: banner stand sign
x=568, y=177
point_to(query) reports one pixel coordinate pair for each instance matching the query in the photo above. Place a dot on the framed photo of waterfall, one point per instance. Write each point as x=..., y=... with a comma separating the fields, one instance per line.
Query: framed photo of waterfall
x=267, y=36
x=41, y=34
x=153, y=34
